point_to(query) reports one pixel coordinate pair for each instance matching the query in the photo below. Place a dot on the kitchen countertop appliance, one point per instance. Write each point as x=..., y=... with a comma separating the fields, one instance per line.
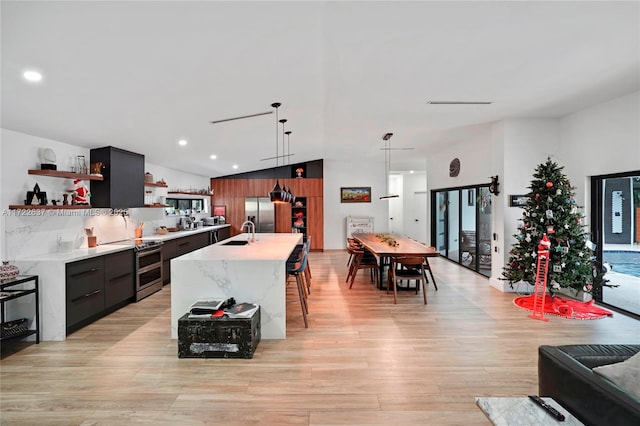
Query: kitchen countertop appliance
x=148, y=268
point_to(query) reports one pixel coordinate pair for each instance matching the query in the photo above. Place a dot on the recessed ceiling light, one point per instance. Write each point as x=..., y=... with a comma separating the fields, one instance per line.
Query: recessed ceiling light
x=235, y=166
x=33, y=76
x=411, y=172
x=213, y=156
x=182, y=142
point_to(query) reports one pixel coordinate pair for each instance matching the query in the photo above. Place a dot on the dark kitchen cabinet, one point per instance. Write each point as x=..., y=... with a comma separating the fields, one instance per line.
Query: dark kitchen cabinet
x=84, y=291
x=123, y=184
x=98, y=286
x=188, y=244
x=174, y=248
x=168, y=253
x=224, y=233
x=119, y=278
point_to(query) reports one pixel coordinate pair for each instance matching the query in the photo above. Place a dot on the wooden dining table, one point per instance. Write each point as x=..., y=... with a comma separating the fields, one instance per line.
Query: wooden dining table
x=383, y=250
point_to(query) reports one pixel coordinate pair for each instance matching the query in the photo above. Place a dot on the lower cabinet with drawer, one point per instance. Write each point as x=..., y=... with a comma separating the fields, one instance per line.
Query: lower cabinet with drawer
x=98, y=286
x=85, y=291
x=188, y=244
x=168, y=253
x=119, y=279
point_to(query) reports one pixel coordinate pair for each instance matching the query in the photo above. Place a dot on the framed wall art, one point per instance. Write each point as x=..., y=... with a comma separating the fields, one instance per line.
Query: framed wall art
x=355, y=194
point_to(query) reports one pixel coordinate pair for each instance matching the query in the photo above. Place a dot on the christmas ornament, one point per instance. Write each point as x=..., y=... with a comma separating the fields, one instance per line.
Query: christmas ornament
x=550, y=229
x=549, y=214
x=559, y=192
x=557, y=268
x=559, y=249
x=549, y=184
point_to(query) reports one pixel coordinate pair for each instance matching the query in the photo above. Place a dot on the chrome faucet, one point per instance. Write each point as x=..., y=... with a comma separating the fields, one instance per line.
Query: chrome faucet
x=251, y=228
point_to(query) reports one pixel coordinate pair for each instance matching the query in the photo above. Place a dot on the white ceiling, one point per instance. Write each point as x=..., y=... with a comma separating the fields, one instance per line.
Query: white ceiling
x=142, y=75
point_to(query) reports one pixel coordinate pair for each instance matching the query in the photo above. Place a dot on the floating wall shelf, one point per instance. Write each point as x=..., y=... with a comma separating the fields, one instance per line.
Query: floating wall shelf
x=66, y=175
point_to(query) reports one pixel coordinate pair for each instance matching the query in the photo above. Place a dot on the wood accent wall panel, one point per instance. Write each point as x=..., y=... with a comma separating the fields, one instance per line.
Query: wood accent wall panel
x=283, y=217
x=315, y=222
x=232, y=192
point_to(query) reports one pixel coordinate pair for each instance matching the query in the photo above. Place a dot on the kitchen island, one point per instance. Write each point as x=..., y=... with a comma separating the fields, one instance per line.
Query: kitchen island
x=255, y=273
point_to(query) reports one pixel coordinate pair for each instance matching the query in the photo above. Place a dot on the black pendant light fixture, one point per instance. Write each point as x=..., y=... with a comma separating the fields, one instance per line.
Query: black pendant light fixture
x=276, y=194
x=292, y=198
x=286, y=193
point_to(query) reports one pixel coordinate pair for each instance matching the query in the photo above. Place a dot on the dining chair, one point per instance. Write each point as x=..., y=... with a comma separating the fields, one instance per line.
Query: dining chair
x=427, y=267
x=407, y=268
x=362, y=259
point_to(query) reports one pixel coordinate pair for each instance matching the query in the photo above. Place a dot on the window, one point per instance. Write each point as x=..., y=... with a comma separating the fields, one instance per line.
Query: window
x=184, y=206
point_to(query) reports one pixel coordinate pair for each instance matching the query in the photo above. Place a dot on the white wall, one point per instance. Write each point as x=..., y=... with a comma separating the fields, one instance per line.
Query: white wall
x=351, y=173
x=526, y=143
x=24, y=235
x=602, y=139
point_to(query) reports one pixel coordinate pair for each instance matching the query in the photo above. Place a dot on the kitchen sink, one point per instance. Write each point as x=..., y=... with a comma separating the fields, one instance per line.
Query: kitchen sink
x=236, y=243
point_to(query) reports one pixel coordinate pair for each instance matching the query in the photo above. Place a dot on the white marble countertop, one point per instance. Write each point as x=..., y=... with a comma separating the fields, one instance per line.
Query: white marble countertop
x=521, y=411
x=108, y=248
x=268, y=246
x=173, y=235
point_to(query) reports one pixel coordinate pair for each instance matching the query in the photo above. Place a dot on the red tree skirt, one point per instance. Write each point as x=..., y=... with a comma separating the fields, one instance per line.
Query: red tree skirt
x=566, y=308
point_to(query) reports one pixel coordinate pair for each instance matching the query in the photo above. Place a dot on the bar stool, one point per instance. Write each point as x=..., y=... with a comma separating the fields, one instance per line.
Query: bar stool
x=297, y=270
x=307, y=270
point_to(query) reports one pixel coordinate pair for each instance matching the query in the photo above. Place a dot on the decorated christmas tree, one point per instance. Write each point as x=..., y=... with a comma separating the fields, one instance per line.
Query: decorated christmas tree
x=551, y=209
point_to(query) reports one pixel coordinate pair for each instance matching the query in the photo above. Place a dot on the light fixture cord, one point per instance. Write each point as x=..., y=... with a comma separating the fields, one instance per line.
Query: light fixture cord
x=276, y=142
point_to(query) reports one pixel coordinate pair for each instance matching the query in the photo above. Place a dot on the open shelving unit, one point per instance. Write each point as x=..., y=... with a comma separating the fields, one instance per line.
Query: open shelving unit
x=299, y=213
x=57, y=174
x=190, y=193
x=65, y=175
x=16, y=329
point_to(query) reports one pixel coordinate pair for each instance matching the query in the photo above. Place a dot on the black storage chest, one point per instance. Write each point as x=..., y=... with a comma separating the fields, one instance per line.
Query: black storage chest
x=218, y=337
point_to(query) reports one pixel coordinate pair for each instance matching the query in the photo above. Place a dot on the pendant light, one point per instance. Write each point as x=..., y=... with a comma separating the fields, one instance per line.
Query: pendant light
x=288, y=133
x=276, y=194
x=387, y=166
x=286, y=193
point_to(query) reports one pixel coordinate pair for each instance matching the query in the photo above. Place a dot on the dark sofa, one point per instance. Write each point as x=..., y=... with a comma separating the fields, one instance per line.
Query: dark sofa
x=564, y=374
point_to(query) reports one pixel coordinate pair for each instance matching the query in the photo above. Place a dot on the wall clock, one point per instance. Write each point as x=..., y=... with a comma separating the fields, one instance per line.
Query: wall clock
x=454, y=167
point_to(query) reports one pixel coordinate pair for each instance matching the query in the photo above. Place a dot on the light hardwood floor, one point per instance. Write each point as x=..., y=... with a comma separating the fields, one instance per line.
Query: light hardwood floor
x=363, y=360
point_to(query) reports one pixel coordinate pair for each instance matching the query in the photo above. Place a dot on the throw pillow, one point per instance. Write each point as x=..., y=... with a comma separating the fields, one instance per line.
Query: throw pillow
x=625, y=374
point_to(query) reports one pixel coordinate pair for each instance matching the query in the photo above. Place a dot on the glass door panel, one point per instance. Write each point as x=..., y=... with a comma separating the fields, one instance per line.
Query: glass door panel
x=468, y=241
x=484, y=231
x=453, y=222
x=461, y=226
x=619, y=228
x=441, y=222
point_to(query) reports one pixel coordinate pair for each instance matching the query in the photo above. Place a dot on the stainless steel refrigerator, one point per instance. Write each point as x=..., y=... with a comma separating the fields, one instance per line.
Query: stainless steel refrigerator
x=260, y=211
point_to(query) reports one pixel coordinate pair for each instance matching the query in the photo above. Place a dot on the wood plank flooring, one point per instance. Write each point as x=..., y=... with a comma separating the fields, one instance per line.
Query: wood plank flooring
x=363, y=360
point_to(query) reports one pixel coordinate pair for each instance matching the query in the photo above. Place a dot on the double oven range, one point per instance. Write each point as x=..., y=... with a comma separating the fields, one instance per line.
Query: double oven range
x=148, y=268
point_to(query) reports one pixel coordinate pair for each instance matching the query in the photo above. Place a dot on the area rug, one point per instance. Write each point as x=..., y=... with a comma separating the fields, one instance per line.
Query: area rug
x=566, y=308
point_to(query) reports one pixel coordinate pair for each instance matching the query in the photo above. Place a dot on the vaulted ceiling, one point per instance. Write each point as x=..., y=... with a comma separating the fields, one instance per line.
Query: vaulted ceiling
x=143, y=75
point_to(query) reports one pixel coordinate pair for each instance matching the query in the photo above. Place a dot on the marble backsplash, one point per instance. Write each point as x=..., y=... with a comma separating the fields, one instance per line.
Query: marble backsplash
x=34, y=232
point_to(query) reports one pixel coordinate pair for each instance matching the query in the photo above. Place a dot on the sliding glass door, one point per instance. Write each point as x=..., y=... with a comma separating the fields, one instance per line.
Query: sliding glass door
x=461, y=226
x=615, y=219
